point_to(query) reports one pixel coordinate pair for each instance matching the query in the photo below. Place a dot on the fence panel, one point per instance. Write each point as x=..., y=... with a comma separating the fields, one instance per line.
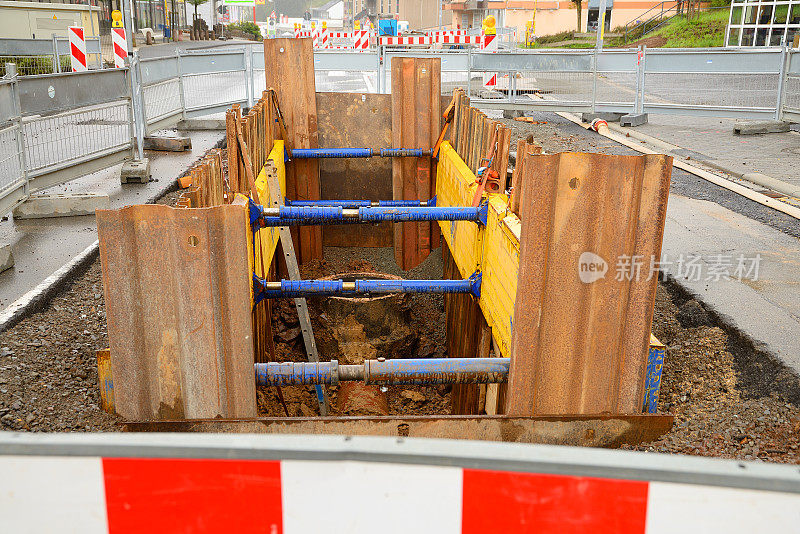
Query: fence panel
x=345, y=71
x=547, y=79
x=726, y=83
x=161, y=92
x=13, y=182
x=74, y=124
x=455, y=67
x=214, y=80
x=791, y=88
x=36, y=56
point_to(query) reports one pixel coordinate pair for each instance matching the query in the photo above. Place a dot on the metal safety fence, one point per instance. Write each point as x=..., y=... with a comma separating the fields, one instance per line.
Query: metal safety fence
x=46, y=56
x=55, y=127
x=790, y=105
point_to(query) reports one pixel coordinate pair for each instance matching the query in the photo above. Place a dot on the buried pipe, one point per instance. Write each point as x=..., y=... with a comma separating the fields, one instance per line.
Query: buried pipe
x=419, y=371
x=341, y=288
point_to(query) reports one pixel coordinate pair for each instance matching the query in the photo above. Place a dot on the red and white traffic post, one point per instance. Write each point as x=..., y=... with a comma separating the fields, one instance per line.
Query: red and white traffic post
x=77, y=49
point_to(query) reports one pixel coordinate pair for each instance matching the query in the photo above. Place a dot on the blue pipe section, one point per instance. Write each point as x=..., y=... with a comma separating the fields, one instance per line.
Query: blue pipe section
x=291, y=373
x=359, y=203
x=336, y=288
x=406, y=214
x=318, y=153
x=423, y=371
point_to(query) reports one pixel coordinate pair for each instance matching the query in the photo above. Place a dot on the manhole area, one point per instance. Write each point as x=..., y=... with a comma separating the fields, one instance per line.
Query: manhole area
x=351, y=330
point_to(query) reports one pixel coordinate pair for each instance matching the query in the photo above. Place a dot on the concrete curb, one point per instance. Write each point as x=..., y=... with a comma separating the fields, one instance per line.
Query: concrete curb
x=756, y=178
x=38, y=297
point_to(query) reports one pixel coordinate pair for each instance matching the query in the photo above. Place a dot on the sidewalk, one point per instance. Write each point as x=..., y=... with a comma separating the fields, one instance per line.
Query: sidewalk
x=42, y=246
x=711, y=140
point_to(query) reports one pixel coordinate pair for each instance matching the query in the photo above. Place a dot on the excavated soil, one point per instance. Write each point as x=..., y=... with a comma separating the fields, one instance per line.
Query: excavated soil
x=712, y=379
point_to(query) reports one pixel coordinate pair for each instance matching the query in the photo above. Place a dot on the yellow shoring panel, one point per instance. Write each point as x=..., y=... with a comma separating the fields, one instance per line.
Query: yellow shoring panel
x=267, y=238
x=500, y=263
x=455, y=186
x=494, y=250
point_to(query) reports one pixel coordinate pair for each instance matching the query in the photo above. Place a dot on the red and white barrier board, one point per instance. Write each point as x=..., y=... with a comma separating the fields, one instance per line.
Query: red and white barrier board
x=406, y=40
x=134, y=495
x=361, y=39
x=77, y=49
x=489, y=44
x=120, y=47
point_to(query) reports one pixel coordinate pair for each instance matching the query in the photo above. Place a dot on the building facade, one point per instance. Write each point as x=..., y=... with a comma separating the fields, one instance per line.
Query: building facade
x=763, y=23
x=551, y=16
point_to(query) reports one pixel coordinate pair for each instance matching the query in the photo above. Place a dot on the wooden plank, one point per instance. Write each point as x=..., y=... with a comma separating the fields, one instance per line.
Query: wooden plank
x=521, y=178
x=233, y=151
x=501, y=158
x=464, y=323
x=289, y=69
x=579, y=343
x=416, y=123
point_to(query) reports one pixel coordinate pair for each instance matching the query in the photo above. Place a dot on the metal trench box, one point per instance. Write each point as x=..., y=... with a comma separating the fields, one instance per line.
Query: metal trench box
x=345, y=119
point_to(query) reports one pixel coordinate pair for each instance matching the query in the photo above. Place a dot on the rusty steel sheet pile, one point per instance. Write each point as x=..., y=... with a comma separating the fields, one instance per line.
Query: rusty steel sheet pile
x=176, y=283
x=583, y=311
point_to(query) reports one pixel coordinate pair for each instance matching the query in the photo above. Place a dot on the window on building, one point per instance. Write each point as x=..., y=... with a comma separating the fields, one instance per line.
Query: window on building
x=397, y=6
x=763, y=22
x=390, y=6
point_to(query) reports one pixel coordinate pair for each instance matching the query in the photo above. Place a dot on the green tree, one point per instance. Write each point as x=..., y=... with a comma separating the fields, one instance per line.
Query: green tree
x=578, y=6
x=196, y=3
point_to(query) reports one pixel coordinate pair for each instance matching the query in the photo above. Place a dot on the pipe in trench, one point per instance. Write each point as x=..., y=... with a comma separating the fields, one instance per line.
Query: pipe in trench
x=418, y=371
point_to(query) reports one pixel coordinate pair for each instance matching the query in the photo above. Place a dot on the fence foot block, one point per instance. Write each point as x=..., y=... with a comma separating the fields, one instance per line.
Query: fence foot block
x=168, y=144
x=607, y=116
x=135, y=171
x=633, y=119
x=6, y=257
x=513, y=113
x=760, y=127
x=66, y=205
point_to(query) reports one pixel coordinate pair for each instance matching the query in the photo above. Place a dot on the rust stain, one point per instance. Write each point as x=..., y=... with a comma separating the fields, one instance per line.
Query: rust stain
x=581, y=333
x=176, y=284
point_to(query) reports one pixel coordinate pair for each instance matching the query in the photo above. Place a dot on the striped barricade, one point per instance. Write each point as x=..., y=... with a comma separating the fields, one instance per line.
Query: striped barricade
x=120, y=47
x=77, y=49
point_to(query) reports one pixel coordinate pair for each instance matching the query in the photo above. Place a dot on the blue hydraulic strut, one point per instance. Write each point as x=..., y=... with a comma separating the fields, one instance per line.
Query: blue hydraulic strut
x=363, y=203
x=314, y=215
x=316, y=153
x=339, y=288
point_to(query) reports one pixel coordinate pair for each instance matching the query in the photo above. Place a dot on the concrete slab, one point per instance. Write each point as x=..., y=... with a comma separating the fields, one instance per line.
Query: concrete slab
x=607, y=116
x=760, y=127
x=167, y=143
x=767, y=306
x=42, y=246
x=6, y=257
x=61, y=205
x=775, y=155
x=201, y=124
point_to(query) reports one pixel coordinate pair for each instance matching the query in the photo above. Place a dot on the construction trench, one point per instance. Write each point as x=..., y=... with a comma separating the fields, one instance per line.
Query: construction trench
x=184, y=341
